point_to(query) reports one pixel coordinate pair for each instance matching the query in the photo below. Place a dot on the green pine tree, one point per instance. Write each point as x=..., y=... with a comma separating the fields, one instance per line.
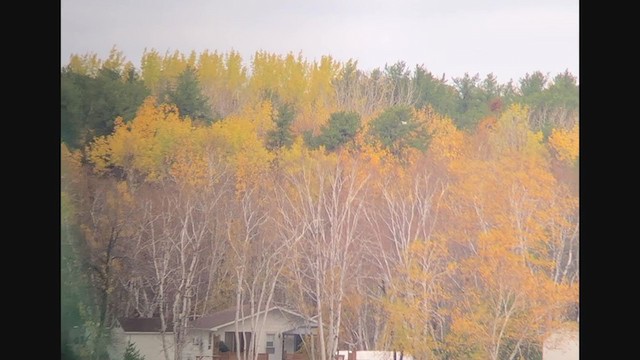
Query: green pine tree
x=281, y=136
x=341, y=128
x=188, y=97
x=132, y=353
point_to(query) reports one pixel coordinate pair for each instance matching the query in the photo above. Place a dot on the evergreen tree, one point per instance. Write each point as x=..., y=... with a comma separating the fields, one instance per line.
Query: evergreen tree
x=532, y=84
x=188, y=97
x=472, y=105
x=434, y=92
x=341, y=128
x=90, y=104
x=396, y=129
x=132, y=353
x=281, y=136
x=563, y=92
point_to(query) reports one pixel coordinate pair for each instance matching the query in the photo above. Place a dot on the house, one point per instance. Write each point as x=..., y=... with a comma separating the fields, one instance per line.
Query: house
x=214, y=336
x=562, y=344
x=281, y=334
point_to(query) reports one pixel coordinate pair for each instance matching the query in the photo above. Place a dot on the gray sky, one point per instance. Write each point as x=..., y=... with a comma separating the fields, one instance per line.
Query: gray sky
x=506, y=37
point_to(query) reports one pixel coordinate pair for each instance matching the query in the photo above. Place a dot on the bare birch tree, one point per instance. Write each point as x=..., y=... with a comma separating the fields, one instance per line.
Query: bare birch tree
x=178, y=235
x=329, y=202
x=406, y=215
x=260, y=253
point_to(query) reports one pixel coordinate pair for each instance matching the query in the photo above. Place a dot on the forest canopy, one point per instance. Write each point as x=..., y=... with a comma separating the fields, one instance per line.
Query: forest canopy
x=404, y=211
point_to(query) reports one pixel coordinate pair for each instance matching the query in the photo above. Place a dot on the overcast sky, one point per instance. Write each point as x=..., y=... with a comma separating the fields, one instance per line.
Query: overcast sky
x=506, y=37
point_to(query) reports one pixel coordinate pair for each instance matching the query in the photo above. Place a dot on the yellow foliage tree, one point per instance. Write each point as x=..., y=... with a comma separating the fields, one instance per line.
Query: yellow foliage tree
x=417, y=322
x=509, y=224
x=566, y=144
x=146, y=147
x=172, y=66
x=151, y=66
x=511, y=133
x=116, y=61
x=504, y=306
x=446, y=143
x=88, y=64
x=236, y=138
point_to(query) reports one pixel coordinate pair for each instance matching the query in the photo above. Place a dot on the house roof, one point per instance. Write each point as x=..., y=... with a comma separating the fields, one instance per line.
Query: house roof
x=228, y=316
x=216, y=319
x=144, y=324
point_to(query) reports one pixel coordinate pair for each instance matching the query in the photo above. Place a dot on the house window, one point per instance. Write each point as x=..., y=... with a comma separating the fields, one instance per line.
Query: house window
x=230, y=341
x=209, y=344
x=271, y=339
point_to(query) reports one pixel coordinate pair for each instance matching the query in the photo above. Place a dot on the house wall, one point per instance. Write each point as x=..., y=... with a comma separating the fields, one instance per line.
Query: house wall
x=562, y=345
x=197, y=344
x=149, y=345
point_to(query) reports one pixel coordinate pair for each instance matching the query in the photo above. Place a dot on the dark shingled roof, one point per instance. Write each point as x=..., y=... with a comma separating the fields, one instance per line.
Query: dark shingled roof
x=144, y=324
x=219, y=318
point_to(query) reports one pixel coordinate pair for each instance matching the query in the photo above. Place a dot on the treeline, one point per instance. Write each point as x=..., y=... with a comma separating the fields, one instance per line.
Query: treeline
x=406, y=213
x=211, y=86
